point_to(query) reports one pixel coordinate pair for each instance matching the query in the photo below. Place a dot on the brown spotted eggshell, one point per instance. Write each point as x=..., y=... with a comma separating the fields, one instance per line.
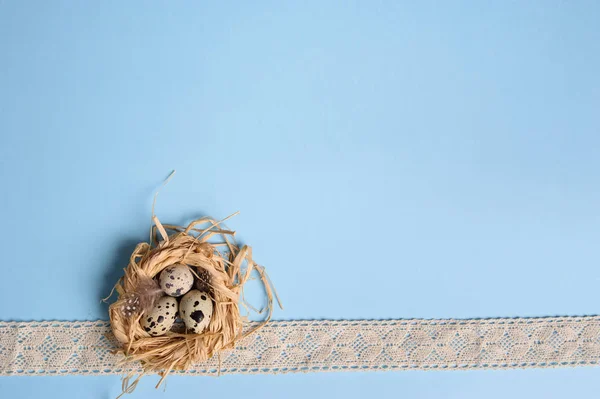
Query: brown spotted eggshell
x=161, y=317
x=176, y=280
x=196, y=309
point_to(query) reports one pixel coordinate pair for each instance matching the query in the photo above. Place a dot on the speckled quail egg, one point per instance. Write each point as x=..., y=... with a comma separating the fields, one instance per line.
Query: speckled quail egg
x=176, y=280
x=161, y=317
x=203, y=280
x=196, y=309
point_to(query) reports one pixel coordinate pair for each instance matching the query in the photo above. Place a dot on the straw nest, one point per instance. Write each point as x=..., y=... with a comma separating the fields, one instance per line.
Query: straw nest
x=223, y=266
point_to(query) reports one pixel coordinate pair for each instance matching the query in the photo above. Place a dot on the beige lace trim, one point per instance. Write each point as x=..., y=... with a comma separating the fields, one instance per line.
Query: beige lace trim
x=41, y=348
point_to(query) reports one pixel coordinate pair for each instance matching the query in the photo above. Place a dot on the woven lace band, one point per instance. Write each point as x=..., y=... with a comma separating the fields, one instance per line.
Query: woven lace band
x=46, y=348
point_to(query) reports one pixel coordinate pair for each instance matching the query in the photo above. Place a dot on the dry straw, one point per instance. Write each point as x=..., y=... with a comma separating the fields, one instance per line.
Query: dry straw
x=227, y=266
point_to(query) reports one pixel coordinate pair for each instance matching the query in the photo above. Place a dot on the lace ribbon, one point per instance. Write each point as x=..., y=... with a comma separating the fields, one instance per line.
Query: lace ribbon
x=46, y=348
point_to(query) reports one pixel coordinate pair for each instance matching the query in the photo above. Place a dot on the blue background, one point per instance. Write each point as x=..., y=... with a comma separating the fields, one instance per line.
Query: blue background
x=390, y=159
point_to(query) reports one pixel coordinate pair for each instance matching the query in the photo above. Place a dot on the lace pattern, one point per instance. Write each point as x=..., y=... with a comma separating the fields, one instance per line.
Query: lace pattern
x=54, y=348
